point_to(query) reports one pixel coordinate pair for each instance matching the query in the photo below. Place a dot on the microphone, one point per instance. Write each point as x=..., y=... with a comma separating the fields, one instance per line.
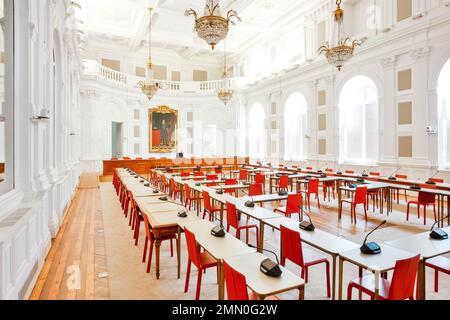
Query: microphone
x=372, y=247
x=269, y=267
x=338, y=171
x=434, y=175
x=416, y=185
x=391, y=177
x=305, y=225
x=438, y=234
x=360, y=178
x=250, y=203
x=364, y=173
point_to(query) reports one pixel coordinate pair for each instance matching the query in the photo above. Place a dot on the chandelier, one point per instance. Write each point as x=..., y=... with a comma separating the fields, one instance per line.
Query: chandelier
x=149, y=87
x=212, y=27
x=224, y=93
x=339, y=55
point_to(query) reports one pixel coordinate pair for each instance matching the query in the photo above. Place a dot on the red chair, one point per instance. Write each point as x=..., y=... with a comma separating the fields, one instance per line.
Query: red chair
x=189, y=198
x=232, y=221
x=438, y=264
x=350, y=172
x=139, y=159
x=185, y=174
x=149, y=237
x=208, y=207
x=202, y=260
x=329, y=170
x=114, y=159
x=401, y=286
x=243, y=175
x=397, y=191
x=260, y=178
x=283, y=184
x=231, y=182
x=293, y=250
x=313, y=188
x=294, y=202
x=328, y=188
x=359, y=198
x=212, y=177
x=425, y=199
x=309, y=168
x=174, y=191
x=135, y=219
x=236, y=284
x=375, y=174
x=199, y=174
x=218, y=171
x=436, y=180
x=126, y=158
x=255, y=189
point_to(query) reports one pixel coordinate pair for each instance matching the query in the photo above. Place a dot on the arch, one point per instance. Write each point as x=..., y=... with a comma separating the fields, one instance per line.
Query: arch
x=295, y=123
x=358, y=121
x=444, y=116
x=257, y=131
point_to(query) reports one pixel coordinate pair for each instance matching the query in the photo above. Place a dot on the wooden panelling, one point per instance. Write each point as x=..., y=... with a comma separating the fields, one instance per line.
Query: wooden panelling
x=142, y=166
x=111, y=64
x=405, y=147
x=322, y=146
x=405, y=113
x=404, y=80
x=404, y=9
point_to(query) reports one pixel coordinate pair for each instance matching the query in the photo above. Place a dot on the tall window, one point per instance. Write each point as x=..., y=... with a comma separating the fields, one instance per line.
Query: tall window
x=257, y=128
x=6, y=102
x=295, y=122
x=444, y=116
x=358, y=113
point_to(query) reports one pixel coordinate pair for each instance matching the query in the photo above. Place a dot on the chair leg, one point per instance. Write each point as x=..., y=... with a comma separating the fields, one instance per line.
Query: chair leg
x=150, y=256
x=327, y=265
x=199, y=284
x=145, y=249
x=349, y=292
x=436, y=280
x=407, y=211
x=138, y=226
x=171, y=247
x=188, y=274
x=425, y=215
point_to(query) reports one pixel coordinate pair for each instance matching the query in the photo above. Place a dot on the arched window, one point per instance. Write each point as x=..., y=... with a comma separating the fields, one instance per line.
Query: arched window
x=444, y=116
x=295, y=122
x=257, y=128
x=358, y=113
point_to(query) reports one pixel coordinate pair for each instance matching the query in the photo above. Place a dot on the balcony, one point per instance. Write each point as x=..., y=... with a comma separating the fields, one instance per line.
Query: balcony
x=93, y=69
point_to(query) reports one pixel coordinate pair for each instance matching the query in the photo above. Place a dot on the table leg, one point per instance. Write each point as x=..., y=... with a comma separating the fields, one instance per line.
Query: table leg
x=333, y=284
x=360, y=274
x=261, y=236
x=301, y=293
x=179, y=253
x=339, y=203
x=448, y=210
x=377, y=285
x=421, y=284
x=157, y=252
x=341, y=277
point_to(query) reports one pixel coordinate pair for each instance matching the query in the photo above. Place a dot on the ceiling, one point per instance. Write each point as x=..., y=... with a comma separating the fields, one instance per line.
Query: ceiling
x=125, y=22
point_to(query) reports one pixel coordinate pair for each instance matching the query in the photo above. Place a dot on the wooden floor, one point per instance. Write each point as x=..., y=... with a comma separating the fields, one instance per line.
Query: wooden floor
x=77, y=256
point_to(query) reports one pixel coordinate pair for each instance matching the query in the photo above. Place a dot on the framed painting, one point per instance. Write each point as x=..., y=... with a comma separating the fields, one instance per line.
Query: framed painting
x=163, y=125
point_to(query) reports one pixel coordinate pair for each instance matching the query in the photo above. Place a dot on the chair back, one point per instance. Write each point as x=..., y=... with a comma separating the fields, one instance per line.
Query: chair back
x=404, y=279
x=212, y=184
x=236, y=284
x=230, y=182
x=255, y=189
x=218, y=170
x=426, y=197
x=329, y=170
x=436, y=180
x=349, y=172
x=172, y=184
x=309, y=168
x=212, y=177
x=260, y=178
x=232, y=219
x=198, y=174
x=187, y=192
x=360, y=195
x=313, y=186
x=284, y=182
x=185, y=174
x=243, y=175
x=375, y=174
x=207, y=201
x=148, y=230
x=401, y=176
x=294, y=201
x=291, y=246
x=192, y=248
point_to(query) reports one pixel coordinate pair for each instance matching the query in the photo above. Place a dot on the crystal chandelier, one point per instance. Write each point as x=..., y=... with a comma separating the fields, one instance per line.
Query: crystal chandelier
x=339, y=55
x=212, y=27
x=149, y=87
x=224, y=93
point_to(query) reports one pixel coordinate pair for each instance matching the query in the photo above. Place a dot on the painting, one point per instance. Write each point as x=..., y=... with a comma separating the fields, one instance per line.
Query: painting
x=163, y=124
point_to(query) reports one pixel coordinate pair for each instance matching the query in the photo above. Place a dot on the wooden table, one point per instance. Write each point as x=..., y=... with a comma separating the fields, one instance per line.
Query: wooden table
x=369, y=186
x=321, y=240
x=425, y=246
x=261, y=284
x=378, y=264
x=219, y=248
x=139, y=190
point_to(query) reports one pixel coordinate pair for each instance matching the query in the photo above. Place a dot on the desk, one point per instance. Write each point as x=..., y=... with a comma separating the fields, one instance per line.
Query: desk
x=321, y=240
x=219, y=248
x=139, y=190
x=369, y=186
x=425, y=246
x=262, y=285
x=379, y=263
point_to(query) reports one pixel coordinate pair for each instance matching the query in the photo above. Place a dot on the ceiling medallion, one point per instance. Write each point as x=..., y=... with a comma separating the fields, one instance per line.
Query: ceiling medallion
x=149, y=87
x=212, y=27
x=339, y=55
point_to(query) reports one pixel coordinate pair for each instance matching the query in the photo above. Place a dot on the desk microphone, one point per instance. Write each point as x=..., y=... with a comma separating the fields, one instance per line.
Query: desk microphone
x=250, y=203
x=360, y=178
x=416, y=185
x=364, y=173
x=338, y=171
x=434, y=175
x=391, y=177
x=438, y=234
x=372, y=247
x=268, y=266
x=305, y=225
x=218, y=232
x=220, y=191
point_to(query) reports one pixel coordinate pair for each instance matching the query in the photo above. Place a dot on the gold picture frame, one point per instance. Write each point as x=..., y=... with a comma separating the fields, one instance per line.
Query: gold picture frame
x=163, y=130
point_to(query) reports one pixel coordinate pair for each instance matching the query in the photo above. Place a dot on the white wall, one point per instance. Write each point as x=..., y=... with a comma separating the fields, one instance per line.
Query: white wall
x=46, y=153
